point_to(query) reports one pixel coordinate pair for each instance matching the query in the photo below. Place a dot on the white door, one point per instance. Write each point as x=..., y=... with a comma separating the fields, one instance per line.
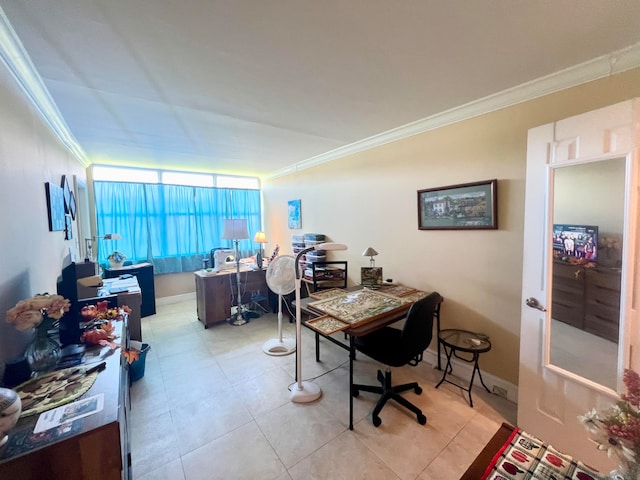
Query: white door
x=551, y=393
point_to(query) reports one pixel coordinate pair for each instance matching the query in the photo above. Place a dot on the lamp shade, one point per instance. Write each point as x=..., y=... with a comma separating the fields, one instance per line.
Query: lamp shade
x=260, y=237
x=369, y=252
x=235, y=229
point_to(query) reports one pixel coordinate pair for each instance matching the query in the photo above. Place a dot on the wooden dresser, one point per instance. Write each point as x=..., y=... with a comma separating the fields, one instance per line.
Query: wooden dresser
x=587, y=298
x=99, y=450
x=215, y=291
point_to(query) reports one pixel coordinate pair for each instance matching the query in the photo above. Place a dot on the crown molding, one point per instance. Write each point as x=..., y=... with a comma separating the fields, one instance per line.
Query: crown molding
x=600, y=67
x=17, y=60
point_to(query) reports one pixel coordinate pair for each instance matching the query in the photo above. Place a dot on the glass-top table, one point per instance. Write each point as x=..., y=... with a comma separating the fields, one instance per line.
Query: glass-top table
x=466, y=346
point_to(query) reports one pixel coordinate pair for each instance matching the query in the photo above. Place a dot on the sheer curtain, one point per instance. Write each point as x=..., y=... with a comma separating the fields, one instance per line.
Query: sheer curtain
x=171, y=226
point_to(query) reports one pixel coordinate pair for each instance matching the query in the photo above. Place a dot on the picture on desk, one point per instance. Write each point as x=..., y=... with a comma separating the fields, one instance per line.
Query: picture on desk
x=371, y=276
x=359, y=305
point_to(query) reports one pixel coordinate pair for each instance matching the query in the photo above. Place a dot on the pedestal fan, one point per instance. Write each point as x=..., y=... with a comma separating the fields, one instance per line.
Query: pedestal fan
x=281, y=279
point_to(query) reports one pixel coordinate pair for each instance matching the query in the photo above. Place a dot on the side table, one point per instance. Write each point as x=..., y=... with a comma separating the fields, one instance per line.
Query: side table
x=456, y=341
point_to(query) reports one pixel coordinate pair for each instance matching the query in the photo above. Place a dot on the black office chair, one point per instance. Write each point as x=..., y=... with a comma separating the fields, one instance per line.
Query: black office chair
x=397, y=348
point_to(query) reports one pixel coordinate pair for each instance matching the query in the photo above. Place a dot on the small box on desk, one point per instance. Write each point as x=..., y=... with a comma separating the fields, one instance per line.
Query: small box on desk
x=88, y=286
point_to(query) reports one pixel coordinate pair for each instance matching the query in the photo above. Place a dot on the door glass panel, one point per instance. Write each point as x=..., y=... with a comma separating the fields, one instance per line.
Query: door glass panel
x=588, y=226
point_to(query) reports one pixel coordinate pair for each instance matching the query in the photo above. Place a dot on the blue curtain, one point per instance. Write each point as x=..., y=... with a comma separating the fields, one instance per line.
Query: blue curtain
x=171, y=226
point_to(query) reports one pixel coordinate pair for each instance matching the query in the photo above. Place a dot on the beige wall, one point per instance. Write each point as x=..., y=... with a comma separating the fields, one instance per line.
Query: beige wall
x=32, y=256
x=370, y=199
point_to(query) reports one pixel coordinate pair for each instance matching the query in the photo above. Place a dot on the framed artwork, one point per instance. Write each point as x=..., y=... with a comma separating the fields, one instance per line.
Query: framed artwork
x=371, y=276
x=72, y=206
x=468, y=206
x=55, y=207
x=66, y=191
x=68, y=227
x=294, y=214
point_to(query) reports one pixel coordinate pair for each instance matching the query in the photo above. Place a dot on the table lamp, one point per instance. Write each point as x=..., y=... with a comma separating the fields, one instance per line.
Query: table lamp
x=236, y=230
x=260, y=238
x=88, y=244
x=306, y=391
x=370, y=252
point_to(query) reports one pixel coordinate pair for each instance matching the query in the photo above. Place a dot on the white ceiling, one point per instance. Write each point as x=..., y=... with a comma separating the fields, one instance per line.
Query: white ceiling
x=255, y=86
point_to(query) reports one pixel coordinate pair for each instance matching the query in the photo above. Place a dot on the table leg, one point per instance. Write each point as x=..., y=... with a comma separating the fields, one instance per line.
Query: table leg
x=317, y=347
x=448, y=369
x=352, y=352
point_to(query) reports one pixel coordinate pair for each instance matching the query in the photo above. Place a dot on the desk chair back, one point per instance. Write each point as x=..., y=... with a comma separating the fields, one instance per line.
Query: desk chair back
x=417, y=332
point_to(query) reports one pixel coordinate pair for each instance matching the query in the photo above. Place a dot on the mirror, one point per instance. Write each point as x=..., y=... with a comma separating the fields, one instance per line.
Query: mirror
x=588, y=225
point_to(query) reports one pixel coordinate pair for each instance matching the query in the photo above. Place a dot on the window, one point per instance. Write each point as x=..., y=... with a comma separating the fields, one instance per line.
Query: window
x=168, y=177
x=172, y=226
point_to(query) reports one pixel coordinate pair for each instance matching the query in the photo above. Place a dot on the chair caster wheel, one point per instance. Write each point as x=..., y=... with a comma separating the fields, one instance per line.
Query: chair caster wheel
x=418, y=390
x=377, y=422
x=422, y=420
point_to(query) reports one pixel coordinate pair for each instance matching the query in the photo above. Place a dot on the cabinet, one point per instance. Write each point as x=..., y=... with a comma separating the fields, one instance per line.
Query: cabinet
x=98, y=449
x=587, y=298
x=328, y=275
x=144, y=273
x=215, y=291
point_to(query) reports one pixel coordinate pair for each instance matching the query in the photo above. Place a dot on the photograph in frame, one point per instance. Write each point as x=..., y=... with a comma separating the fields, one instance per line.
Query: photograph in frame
x=467, y=206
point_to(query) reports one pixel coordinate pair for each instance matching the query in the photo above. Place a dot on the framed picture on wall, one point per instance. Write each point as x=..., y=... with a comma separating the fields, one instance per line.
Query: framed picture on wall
x=72, y=206
x=55, y=207
x=294, y=218
x=66, y=192
x=468, y=206
x=68, y=227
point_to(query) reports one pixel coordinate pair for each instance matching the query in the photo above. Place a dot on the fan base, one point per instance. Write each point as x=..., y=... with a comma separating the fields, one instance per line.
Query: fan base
x=276, y=347
x=309, y=392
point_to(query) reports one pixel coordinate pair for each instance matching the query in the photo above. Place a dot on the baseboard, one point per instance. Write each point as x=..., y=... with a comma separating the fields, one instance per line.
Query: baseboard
x=176, y=298
x=463, y=371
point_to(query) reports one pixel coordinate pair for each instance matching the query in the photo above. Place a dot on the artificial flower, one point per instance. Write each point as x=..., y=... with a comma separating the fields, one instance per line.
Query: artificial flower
x=617, y=429
x=28, y=313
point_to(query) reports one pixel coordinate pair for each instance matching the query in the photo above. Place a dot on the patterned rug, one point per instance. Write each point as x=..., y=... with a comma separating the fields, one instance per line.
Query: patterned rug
x=524, y=457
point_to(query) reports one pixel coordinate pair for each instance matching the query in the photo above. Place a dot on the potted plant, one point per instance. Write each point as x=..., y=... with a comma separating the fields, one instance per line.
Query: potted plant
x=116, y=259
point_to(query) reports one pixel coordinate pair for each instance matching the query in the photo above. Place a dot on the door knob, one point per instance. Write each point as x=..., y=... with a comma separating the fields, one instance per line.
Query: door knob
x=534, y=303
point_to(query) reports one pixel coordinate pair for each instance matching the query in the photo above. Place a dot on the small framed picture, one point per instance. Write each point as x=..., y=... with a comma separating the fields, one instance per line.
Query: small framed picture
x=68, y=228
x=371, y=276
x=294, y=219
x=468, y=206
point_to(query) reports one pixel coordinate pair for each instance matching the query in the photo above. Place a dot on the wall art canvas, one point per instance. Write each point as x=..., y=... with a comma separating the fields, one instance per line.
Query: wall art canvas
x=295, y=220
x=55, y=207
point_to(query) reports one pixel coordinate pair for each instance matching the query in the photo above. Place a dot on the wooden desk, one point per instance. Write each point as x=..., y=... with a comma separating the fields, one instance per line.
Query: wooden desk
x=356, y=330
x=99, y=450
x=214, y=292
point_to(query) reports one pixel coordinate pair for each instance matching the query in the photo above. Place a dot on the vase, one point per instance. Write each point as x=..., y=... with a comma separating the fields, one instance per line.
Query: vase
x=44, y=352
x=10, y=409
x=115, y=265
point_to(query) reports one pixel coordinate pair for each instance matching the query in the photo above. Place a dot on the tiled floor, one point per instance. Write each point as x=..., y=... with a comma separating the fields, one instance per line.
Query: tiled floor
x=212, y=405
